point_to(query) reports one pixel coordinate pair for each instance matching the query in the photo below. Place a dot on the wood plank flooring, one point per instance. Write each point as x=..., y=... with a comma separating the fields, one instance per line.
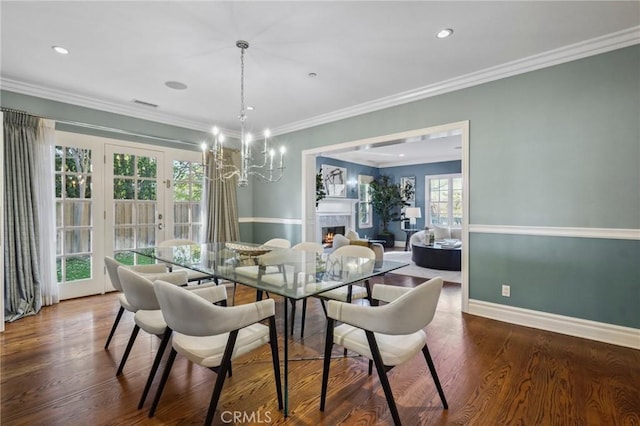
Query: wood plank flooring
x=54, y=371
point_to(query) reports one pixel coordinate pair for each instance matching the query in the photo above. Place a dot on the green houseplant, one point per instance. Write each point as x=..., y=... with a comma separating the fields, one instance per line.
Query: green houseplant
x=387, y=199
x=320, y=192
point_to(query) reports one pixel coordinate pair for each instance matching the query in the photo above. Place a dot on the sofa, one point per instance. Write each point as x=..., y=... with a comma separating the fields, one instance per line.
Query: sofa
x=451, y=236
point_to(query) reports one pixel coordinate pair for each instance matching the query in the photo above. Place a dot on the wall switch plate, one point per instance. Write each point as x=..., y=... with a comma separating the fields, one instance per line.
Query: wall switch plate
x=506, y=290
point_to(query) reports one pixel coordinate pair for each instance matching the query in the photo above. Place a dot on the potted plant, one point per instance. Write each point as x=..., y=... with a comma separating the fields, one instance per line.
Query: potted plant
x=387, y=200
x=320, y=192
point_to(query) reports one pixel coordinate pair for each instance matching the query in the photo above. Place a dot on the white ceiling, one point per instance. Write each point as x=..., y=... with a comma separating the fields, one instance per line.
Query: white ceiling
x=366, y=54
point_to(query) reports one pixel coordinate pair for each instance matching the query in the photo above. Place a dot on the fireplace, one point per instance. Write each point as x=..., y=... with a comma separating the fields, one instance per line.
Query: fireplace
x=334, y=216
x=328, y=232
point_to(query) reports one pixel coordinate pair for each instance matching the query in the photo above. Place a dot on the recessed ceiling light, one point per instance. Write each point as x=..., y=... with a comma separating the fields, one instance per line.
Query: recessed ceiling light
x=175, y=85
x=401, y=155
x=250, y=108
x=61, y=50
x=312, y=75
x=444, y=33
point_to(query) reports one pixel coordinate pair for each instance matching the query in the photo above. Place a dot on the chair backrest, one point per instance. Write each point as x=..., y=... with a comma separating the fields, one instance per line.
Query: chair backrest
x=278, y=242
x=190, y=314
x=176, y=242
x=412, y=311
x=354, y=251
x=138, y=290
x=340, y=240
x=352, y=267
x=112, y=269
x=309, y=246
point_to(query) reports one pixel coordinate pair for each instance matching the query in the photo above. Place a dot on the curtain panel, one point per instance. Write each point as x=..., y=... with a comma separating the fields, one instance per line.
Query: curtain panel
x=29, y=238
x=220, y=204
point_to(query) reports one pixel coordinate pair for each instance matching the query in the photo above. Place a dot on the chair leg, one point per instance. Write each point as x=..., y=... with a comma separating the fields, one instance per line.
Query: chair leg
x=163, y=381
x=114, y=326
x=132, y=339
x=382, y=375
x=156, y=363
x=327, y=361
x=367, y=285
x=224, y=366
x=293, y=314
x=304, y=317
x=273, y=340
x=370, y=367
x=233, y=298
x=432, y=368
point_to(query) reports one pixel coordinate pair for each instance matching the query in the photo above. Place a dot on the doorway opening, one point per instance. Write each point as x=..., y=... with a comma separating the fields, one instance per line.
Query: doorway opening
x=308, y=207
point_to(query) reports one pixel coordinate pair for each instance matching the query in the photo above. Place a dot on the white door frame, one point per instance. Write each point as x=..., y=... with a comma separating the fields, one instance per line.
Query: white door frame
x=308, y=171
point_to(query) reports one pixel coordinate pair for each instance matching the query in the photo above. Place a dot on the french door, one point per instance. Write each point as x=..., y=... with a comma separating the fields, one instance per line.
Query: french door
x=134, y=186
x=79, y=224
x=113, y=196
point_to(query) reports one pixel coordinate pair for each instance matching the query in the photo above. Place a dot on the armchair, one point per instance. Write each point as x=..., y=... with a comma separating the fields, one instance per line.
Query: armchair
x=389, y=335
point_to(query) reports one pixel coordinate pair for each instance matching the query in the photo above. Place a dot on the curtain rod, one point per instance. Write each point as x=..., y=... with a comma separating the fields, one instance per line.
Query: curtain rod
x=102, y=128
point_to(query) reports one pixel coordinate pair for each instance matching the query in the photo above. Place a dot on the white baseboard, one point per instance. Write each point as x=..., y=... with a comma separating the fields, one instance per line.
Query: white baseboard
x=602, y=332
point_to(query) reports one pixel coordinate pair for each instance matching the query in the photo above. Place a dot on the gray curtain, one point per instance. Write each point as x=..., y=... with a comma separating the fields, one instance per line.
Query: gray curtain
x=22, y=275
x=221, y=202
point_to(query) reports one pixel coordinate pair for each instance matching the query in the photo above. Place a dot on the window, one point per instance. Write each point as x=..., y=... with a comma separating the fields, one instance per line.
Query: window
x=74, y=224
x=365, y=212
x=444, y=195
x=187, y=194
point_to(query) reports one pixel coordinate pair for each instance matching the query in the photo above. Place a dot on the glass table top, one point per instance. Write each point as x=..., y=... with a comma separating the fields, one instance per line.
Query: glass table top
x=295, y=274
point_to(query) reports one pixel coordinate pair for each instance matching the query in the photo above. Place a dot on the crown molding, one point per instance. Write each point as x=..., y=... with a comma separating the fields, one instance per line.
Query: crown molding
x=572, y=52
x=561, y=55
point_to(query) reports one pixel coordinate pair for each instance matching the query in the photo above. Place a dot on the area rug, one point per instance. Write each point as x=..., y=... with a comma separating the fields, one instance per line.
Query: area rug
x=414, y=270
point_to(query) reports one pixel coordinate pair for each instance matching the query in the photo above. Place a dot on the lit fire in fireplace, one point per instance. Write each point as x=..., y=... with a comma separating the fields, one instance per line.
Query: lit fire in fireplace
x=329, y=238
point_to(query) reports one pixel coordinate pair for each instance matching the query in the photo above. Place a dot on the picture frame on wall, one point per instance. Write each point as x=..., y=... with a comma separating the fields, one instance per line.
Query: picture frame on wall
x=335, y=181
x=408, y=184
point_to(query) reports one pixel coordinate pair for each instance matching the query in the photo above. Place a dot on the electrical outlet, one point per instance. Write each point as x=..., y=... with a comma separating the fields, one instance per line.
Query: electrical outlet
x=506, y=290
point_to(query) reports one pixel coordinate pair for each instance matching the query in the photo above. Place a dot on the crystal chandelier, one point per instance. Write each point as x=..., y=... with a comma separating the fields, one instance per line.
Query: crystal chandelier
x=265, y=170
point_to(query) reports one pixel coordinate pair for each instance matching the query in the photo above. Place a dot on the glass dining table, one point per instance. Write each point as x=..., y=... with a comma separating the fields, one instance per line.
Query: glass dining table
x=292, y=274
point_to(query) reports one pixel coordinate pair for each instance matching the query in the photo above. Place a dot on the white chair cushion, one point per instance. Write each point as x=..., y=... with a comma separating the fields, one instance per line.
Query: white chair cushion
x=340, y=241
x=192, y=275
x=441, y=233
x=151, y=321
x=340, y=293
x=208, y=351
x=124, y=303
x=394, y=350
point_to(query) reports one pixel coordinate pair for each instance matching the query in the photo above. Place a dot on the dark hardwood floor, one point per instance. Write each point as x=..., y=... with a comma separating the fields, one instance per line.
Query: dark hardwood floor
x=55, y=372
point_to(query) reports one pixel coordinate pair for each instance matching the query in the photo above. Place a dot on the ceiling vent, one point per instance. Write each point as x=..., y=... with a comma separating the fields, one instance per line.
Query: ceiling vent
x=147, y=104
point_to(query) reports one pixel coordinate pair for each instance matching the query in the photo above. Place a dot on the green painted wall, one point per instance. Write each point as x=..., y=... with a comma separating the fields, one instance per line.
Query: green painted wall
x=556, y=147
x=595, y=279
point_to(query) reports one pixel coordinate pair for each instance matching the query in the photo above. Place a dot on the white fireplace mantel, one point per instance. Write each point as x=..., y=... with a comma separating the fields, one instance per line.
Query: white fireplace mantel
x=336, y=212
x=336, y=206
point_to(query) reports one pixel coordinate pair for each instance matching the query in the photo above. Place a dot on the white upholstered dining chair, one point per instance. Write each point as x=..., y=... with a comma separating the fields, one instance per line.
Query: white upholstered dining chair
x=141, y=296
x=112, y=269
x=388, y=335
x=212, y=336
x=192, y=275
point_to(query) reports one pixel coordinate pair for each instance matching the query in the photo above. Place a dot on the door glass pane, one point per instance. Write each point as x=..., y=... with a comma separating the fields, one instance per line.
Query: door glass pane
x=147, y=167
x=77, y=241
x=123, y=238
x=77, y=268
x=123, y=164
x=77, y=213
x=146, y=213
x=181, y=213
x=123, y=189
x=146, y=237
x=147, y=190
x=123, y=213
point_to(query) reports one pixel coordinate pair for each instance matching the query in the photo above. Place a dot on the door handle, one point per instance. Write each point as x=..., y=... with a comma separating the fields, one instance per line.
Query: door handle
x=159, y=225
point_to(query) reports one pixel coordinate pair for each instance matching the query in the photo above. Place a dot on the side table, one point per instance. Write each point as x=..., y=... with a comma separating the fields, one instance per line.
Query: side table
x=409, y=233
